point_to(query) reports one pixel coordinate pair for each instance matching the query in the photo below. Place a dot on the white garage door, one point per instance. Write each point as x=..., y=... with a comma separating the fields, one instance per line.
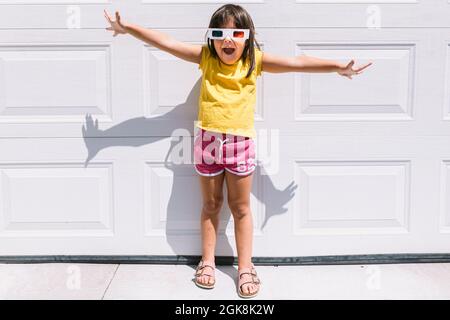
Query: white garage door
x=364, y=164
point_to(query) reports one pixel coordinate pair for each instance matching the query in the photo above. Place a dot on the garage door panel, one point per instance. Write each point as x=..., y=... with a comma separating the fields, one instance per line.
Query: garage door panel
x=399, y=88
x=50, y=201
x=173, y=202
x=363, y=98
x=88, y=164
x=361, y=197
x=32, y=73
x=67, y=200
x=48, y=87
x=446, y=81
x=389, y=203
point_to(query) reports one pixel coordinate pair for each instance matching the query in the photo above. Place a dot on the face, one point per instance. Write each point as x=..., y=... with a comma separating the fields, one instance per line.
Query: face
x=228, y=49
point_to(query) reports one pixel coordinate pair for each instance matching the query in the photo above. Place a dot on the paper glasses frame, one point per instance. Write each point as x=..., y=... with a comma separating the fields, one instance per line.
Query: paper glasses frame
x=227, y=32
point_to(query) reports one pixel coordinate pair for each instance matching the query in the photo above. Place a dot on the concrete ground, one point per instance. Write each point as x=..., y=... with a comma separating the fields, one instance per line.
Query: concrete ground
x=139, y=281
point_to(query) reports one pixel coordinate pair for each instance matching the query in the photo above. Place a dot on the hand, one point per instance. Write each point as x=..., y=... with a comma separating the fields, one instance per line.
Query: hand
x=348, y=71
x=117, y=25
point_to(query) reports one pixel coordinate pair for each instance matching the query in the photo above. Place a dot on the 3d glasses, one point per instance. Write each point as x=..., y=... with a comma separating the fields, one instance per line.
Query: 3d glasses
x=235, y=34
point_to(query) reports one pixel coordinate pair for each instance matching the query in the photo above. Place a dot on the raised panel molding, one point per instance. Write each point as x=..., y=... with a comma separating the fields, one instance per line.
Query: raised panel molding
x=446, y=107
x=389, y=96
x=445, y=198
x=62, y=83
x=172, y=202
x=56, y=199
x=352, y=197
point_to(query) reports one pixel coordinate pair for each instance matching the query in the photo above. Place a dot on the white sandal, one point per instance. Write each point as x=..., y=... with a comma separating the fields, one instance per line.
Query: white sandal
x=201, y=271
x=254, y=280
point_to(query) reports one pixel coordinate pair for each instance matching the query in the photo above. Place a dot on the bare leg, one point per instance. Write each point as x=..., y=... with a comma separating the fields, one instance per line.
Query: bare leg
x=212, y=203
x=239, y=188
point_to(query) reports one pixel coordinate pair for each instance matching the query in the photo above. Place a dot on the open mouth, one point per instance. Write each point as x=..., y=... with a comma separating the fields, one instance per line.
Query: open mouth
x=228, y=51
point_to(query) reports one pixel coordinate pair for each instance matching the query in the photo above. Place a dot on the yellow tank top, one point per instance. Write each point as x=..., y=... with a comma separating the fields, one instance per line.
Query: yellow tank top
x=227, y=98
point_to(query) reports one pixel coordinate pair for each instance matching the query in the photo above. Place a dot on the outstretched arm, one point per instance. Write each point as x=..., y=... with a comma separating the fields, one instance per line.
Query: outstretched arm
x=303, y=63
x=185, y=51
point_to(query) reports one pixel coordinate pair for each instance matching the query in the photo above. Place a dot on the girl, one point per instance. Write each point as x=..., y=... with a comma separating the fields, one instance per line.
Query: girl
x=230, y=63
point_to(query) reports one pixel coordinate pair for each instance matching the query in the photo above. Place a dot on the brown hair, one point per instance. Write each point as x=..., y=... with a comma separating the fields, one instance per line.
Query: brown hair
x=242, y=20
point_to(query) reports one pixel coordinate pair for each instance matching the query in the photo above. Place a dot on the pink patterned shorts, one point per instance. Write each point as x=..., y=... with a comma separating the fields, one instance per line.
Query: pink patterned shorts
x=215, y=152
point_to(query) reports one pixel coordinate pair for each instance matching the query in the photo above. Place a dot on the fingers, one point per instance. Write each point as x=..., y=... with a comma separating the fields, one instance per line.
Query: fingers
x=113, y=23
x=363, y=67
x=350, y=71
x=107, y=16
x=355, y=71
x=118, y=18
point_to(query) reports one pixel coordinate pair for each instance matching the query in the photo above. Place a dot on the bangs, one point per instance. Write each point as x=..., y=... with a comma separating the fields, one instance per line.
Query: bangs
x=221, y=19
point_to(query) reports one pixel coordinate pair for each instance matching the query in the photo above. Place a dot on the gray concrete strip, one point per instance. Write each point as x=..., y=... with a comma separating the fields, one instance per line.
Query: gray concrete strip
x=139, y=281
x=54, y=281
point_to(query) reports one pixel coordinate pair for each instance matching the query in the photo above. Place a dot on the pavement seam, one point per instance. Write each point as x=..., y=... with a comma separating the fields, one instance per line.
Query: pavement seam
x=112, y=278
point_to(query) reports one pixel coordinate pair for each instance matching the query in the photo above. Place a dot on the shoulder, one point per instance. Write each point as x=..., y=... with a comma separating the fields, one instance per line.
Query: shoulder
x=258, y=59
x=205, y=51
x=206, y=55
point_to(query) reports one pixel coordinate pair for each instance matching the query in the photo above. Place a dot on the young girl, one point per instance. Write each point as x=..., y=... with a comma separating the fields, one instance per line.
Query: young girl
x=230, y=63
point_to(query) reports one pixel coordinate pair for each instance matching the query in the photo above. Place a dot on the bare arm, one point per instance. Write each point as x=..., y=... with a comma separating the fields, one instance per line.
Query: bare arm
x=182, y=50
x=303, y=63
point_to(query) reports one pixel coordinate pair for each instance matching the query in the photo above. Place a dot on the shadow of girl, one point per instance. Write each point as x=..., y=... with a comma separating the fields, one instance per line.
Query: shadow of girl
x=184, y=202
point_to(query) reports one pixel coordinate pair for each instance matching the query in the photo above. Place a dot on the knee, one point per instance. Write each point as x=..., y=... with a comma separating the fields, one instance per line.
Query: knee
x=212, y=206
x=239, y=209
